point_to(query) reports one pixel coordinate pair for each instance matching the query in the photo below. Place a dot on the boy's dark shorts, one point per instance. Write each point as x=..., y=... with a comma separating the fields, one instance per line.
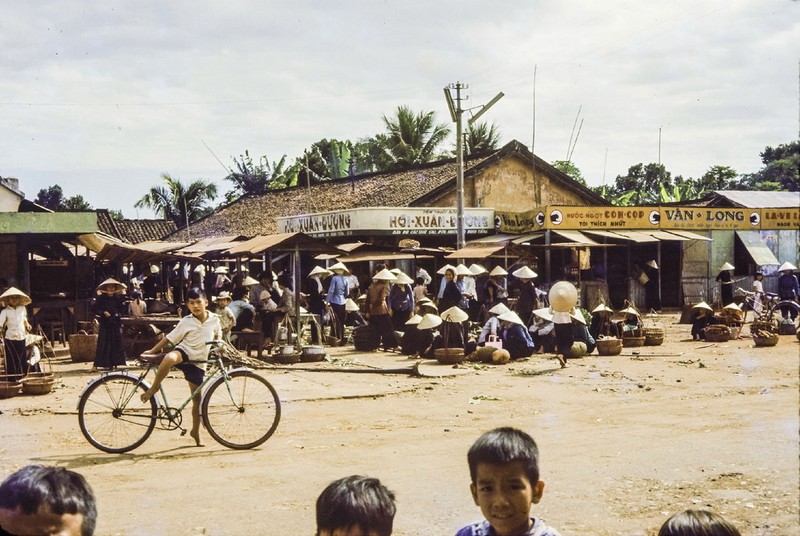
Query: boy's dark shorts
x=191, y=372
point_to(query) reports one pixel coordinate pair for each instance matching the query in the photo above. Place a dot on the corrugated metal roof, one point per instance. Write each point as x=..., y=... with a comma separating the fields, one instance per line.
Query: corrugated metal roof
x=759, y=199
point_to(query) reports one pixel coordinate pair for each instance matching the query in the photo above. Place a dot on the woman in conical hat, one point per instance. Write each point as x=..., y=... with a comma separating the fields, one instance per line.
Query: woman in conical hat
x=496, y=290
x=492, y=325
x=516, y=338
x=379, y=310
x=601, y=324
x=702, y=316
x=401, y=300
x=726, y=283
x=788, y=289
x=528, y=300
x=414, y=341
x=109, y=307
x=14, y=320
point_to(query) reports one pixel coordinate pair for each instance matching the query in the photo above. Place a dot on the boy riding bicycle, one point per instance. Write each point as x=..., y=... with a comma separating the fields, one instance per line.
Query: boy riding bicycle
x=189, y=339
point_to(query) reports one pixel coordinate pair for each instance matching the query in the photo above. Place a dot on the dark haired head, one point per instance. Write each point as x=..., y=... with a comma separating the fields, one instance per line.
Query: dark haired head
x=419, y=281
x=285, y=281
x=697, y=523
x=239, y=293
x=356, y=501
x=60, y=490
x=195, y=293
x=505, y=445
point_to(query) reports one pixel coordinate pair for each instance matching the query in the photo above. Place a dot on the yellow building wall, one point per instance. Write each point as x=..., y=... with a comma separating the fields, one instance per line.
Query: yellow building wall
x=508, y=187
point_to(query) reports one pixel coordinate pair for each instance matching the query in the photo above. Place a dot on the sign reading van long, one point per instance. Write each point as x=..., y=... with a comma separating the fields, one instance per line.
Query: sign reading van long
x=388, y=220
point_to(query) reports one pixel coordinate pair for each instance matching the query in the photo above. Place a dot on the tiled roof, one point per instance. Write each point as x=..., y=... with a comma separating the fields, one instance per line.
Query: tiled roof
x=255, y=215
x=133, y=231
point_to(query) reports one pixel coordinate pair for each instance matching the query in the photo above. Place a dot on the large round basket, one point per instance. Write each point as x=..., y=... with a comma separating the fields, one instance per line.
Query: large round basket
x=38, y=383
x=632, y=342
x=82, y=347
x=653, y=336
x=718, y=334
x=449, y=356
x=9, y=389
x=609, y=346
x=764, y=325
x=366, y=339
x=765, y=338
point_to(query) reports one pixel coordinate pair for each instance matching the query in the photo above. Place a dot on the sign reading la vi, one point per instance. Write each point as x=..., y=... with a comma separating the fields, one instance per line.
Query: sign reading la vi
x=698, y=218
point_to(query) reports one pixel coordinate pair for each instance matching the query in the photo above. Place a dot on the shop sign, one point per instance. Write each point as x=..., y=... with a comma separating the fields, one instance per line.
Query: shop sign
x=609, y=218
x=519, y=222
x=48, y=222
x=703, y=218
x=780, y=218
x=389, y=220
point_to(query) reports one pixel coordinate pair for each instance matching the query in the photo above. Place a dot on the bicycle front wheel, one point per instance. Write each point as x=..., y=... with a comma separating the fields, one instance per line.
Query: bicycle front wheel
x=242, y=412
x=112, y=416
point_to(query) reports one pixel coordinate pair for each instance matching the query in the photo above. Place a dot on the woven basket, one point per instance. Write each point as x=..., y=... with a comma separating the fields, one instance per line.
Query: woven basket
x=765, y=338
x=366, y=339
x=82, y=347
x=449, y=356
x=9, y=389
x=653, y=336
x=609, y=346
x=632, y=342
x=764, y=325
x=718, y=333
x=786, y=328
x=38, y=383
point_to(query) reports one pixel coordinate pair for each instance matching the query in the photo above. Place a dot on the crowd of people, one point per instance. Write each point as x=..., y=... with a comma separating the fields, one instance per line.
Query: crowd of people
x=505, y=484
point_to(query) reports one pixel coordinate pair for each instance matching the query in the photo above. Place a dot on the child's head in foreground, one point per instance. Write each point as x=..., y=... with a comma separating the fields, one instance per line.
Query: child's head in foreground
x=697, y=523
x=504, y=467
x=355, y=506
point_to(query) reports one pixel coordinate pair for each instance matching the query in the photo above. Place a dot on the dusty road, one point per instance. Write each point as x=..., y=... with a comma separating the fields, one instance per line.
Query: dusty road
x=624, y=441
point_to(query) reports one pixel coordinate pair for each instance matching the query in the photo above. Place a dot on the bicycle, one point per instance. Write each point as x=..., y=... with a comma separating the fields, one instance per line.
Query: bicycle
x=240, y=409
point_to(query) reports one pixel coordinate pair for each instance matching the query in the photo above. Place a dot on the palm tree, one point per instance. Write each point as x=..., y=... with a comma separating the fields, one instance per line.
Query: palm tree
x=178, y=202
x=481, y=138
x=411, y=138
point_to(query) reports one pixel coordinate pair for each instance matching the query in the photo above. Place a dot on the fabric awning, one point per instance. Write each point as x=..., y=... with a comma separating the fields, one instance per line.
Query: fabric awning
x=756, y=247
x=379, y=256
x=475, y=252
x=690, y=235
x=576, y=237
x=110, y=249
x=636, y=236
x=664, y=235
x=281, y=242
x=605, y=234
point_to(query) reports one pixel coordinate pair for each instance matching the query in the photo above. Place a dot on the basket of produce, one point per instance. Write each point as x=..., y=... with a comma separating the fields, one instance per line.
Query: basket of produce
x=10, y=385
x=82, y=347
x=449, y=356
x=764, y=338
x=653, y=336
x=762, y=324
x=366, y=339
x=632, y=341
x=312, y=353
x=609, y=346
x=718, y=333
x=38, y=383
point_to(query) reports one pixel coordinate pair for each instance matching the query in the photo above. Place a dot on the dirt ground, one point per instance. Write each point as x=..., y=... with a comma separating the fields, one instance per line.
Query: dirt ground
x=625, y=441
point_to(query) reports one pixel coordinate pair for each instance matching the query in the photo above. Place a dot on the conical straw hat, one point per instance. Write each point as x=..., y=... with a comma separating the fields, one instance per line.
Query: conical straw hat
x=726, y=266
x=563, y=296
x=249, y=281
x=403, y=279
x=462, y=269
x=318, y=270
x=396, y=271
x=702, y=305
x=733, y=306
x=652, y=264
x=414, y=320
x=429, y=321
x=630, y=311
x=578, y=316
x=512, y=317
x=384, y=275
x=499, y=309
x=221, y=270
x=111, y=282
x=477, y=269
x=498, y=270
x=524, y=273
x=454, y=314
x=602, y=308
x=350, y=305
x=544, y=313
x=14, y=291
x=339, y=267
x=787, y=266
x=443, y=269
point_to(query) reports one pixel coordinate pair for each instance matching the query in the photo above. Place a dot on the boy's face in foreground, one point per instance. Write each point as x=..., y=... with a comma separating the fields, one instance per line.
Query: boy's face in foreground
x=197, y=306
x=43, y=522
x=505, y=495
x=355, y=530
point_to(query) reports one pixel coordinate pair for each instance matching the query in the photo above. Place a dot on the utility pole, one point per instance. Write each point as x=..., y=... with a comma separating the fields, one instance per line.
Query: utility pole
x=456, y=111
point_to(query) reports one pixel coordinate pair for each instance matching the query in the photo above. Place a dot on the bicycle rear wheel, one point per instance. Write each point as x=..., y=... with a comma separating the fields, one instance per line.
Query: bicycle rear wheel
x=111, y=415
x=243, y=412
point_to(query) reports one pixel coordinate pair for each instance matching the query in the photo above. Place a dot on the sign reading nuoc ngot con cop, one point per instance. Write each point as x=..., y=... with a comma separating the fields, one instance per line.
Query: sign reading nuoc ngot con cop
x=388, y=220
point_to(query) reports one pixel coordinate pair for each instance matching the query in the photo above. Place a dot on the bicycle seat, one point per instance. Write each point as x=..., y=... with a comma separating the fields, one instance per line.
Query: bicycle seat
x=151, y=359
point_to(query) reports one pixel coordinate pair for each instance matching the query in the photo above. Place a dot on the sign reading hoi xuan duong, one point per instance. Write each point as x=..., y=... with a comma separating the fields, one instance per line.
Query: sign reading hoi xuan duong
x=388, y=220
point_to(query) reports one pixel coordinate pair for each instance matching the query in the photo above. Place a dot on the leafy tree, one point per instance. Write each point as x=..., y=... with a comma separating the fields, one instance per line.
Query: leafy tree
x=255, y=178
x=51, y=197
x=570, y=169
x=76, y=202
x=481, y=138
x=179, y=202
x=116, y=214
x=324, y=160
x=781, y=170
x=411, y=138
x=717, y=178
x=641, y=185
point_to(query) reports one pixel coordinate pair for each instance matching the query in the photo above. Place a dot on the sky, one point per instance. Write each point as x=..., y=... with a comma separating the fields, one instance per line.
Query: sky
x=101, y=98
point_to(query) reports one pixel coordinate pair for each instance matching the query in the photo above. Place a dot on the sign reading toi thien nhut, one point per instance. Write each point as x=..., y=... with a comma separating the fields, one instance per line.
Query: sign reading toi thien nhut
x=388, y=220
x=710, y=218
x=602, y=217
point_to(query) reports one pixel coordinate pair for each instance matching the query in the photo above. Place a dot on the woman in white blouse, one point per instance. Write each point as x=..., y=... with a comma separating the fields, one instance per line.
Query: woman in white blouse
x=14, y=326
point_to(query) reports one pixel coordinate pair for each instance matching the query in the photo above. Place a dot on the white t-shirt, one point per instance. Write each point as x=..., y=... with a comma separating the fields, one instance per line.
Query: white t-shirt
x=191, y=335
x=13, y=318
